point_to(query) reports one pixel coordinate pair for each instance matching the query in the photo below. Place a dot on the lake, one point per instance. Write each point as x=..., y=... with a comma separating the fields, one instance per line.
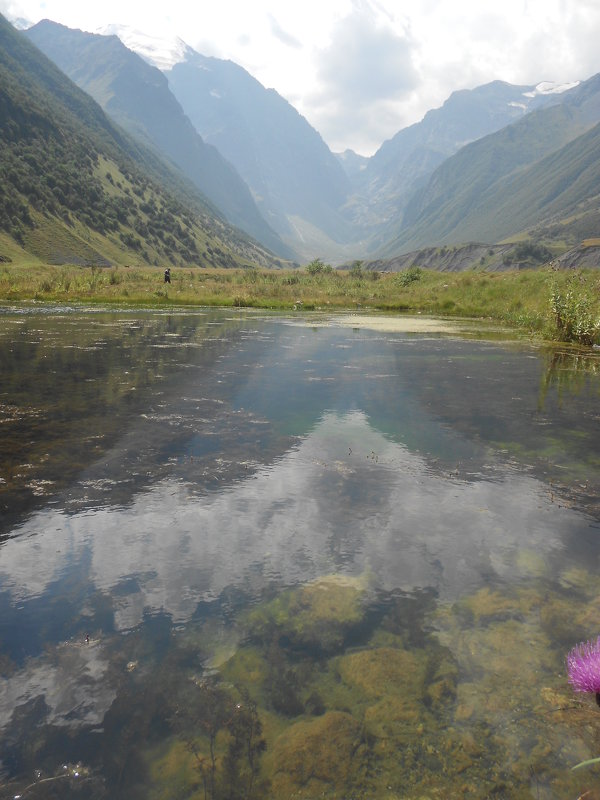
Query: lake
x=249, y=555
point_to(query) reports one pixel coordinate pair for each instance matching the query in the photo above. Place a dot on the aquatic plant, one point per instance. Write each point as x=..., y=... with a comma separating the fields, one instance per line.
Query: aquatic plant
x=223, y=733
x=583, y=667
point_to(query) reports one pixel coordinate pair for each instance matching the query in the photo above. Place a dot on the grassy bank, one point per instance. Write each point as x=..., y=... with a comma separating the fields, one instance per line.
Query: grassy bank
x=519, y=298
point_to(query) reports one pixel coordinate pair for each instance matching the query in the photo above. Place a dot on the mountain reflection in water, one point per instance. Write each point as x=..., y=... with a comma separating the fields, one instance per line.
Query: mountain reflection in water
x=172, y=482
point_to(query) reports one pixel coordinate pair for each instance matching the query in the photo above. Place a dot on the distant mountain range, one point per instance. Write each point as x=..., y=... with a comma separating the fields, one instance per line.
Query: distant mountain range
x=473, y=194
x=404, y=163
x=493, y=164
x=297, y=182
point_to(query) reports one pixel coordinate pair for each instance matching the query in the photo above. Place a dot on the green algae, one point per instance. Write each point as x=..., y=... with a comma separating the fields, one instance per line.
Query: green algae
x=384, y=671
x=465, y=699
x=326, y=756
x=174, y=772
x=318, y=615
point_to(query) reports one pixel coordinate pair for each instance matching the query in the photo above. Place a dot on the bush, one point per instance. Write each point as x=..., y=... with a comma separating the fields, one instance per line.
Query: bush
x=410, y=275
x=573, y=317
x=316, y=267
x=356, y=270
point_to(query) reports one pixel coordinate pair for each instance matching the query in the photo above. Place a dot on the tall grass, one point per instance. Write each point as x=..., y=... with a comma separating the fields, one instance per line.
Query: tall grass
x=521, y=298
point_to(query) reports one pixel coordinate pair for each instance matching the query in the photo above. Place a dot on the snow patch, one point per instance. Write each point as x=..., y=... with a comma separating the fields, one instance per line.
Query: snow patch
x=20, y=23
x=548, y=87
x=161, y=52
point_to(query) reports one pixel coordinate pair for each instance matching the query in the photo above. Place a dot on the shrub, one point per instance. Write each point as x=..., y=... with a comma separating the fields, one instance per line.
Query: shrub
x=572, y=312
x=410, y=275
x=356, y=270
x=317, y=266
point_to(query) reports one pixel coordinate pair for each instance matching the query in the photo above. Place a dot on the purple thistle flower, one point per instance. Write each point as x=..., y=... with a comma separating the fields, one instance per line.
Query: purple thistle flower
x=583, y=667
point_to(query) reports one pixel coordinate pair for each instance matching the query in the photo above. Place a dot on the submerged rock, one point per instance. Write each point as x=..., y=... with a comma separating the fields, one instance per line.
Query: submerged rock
x=317, y=616
x=321, y=757
x=385, y=671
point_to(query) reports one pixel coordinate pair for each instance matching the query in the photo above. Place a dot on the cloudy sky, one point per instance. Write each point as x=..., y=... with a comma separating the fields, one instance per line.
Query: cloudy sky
x=360, y=70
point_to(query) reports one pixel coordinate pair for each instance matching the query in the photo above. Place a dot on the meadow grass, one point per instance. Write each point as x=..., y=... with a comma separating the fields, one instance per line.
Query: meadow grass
x=520, y=298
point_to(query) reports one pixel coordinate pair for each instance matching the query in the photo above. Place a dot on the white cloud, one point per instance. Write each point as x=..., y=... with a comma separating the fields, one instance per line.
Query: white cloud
x=283, y=36
x=184, y=548
x=360, y=70
x=365, y=70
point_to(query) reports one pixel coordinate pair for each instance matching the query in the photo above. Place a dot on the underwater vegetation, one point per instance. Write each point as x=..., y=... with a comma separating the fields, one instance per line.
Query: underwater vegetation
x=407, y=698
x=415, y=704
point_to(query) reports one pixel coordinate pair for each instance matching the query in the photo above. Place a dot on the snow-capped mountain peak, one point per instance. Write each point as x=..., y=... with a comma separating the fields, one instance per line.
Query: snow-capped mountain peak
x=162, y=52
x=548, y=87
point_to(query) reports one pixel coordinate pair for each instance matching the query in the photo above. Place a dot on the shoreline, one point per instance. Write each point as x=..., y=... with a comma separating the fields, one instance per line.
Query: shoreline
x=519, y=299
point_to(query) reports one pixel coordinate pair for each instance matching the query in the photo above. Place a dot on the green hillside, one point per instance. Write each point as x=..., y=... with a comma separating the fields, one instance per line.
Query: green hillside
x=470, y=197
x=74, y=188
x=137, y=97
x=559, y=196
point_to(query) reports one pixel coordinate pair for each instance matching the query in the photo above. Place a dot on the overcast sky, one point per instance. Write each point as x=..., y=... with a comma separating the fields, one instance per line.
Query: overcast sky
x=360, y=70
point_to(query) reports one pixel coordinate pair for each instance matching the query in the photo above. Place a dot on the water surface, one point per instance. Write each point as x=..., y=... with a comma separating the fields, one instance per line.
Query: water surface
x=245, y=555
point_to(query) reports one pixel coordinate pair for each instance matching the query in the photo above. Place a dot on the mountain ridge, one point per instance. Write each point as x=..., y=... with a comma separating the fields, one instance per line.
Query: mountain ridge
x=472, y=195
x=295, y=179
x=445, y=210
x=137, y=96
x=404, y=163
x=76, y=188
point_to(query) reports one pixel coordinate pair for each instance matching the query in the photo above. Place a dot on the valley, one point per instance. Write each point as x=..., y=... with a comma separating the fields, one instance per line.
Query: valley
x=250, y=182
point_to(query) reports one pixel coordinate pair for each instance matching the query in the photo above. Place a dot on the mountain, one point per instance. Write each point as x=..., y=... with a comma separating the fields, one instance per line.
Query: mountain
x=406, y=161
x=137, y=96
x=297, y=182
x=352, y=163
x=455, y=204
x=347, y=206
x=561, y=190
x=75, y=188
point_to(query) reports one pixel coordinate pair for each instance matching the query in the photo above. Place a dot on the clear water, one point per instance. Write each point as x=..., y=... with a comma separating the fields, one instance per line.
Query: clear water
x=263, y=556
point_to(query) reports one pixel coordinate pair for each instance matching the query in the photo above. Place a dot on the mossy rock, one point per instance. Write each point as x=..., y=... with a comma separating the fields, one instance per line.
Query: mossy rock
x=393, y=720
x=531, y=563
x=486, y=605
x=316, y=616
x=386, y=671
x=324, y=757
x=581, y=580
x=441, y=685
